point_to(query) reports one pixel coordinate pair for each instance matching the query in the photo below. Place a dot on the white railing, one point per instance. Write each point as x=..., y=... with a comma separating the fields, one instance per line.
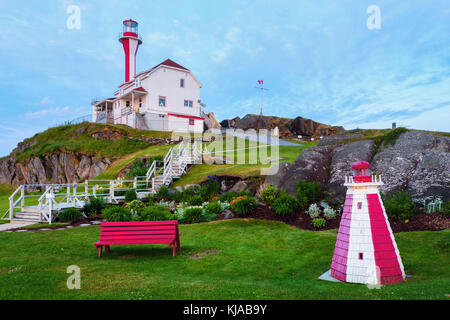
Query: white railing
x=46, y=201
x=13, y=204
x=375, y=179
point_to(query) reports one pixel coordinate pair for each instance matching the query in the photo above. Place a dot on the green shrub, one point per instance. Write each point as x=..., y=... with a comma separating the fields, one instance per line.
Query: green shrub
x=307, y=192
x=193, y=215
x=399, y=206
x=135, y=205
x=162, y=193
x=210, y=188
x=285, y=204
x=313, y=211
x=94, y=206
x=329, y=213
x=269, y=195
x=230, y=195
x=176, y=196
x=318, y=223
x=137, y=168
x=213, y=208
x=69, y=214
x=243, y=206
x=116, y=214
x=446, y=208
x=130, y=195
x=196, y=200
x=155, y=213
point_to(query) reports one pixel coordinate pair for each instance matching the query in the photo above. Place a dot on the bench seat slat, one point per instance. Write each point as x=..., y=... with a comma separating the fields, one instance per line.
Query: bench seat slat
x=139, y=223
x=146, y=232
x=137, y=228
x=131, y=241
x=156, y=236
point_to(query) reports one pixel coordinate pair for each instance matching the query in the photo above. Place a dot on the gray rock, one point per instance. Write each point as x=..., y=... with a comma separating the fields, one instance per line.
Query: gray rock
x=431, y=177
x=341, y=165
x=227, y=214
x=223, y=186
x=239, y=186
x=311, y=165
x=276, y=173
x=397, y=163
x=179, y=188
x=337, y=139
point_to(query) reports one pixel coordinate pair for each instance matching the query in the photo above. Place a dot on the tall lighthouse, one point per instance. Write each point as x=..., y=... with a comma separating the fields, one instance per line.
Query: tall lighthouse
x=131, y=40
x=365, y=250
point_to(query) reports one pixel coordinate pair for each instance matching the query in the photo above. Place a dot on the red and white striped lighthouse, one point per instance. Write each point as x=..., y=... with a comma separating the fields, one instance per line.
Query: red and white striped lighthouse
x=365, y=250
x=131, y=40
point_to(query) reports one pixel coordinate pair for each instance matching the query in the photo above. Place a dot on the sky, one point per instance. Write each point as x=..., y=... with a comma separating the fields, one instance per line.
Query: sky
x=319, y=59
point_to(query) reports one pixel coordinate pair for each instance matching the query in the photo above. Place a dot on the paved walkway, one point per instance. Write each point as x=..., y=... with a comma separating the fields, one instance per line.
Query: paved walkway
x=14, y=225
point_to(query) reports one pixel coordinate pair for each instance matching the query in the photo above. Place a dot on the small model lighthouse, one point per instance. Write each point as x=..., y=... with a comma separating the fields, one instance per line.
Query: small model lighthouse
x=365, y=250
x=131, y=41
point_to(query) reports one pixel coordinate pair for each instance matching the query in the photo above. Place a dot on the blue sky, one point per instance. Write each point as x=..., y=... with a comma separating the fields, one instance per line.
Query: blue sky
x=318, y=58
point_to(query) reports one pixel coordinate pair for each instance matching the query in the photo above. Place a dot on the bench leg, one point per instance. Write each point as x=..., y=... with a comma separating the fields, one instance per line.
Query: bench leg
x=173, y=248
x=107, y=249
x=178, y=244
x=100, y=250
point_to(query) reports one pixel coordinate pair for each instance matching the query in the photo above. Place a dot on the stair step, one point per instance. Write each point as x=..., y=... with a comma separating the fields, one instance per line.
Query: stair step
x=25, y=220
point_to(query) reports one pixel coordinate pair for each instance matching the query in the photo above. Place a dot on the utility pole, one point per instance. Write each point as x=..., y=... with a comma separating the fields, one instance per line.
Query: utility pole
x=261, y=87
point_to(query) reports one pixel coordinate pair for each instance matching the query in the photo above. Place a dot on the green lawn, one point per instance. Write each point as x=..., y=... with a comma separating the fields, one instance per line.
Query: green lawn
x=250, y=259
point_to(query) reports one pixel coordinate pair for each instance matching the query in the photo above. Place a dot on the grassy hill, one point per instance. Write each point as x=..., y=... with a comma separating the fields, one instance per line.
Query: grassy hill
x=105, y=140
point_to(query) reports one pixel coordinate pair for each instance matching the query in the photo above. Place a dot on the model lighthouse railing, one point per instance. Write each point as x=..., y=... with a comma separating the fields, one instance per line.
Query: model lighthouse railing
x=374, y=179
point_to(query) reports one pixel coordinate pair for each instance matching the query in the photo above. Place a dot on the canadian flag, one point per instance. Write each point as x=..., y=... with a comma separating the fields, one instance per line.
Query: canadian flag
x=260, y=82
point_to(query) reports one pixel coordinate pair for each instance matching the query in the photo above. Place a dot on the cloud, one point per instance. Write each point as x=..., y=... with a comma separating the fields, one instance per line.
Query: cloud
x=46, y=101
x=231, y=38
x=48, y=112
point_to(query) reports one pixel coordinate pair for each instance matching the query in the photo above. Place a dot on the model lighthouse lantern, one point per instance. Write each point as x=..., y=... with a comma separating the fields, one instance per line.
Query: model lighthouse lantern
x=365, y=250
x=131, y=40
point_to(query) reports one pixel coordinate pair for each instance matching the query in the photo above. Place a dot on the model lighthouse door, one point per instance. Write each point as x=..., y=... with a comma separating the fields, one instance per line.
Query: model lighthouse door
x=365, y=250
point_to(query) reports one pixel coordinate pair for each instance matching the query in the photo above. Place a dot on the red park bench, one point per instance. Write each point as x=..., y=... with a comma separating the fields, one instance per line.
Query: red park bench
x=138, y=232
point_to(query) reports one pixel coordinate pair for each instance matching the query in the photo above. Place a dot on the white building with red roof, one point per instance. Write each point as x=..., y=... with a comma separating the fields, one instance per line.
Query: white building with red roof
x=165, y=97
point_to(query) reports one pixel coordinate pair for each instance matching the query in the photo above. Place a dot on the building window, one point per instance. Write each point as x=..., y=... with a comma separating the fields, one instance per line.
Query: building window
x=162, y=101
x=181, y=83
x=191, y=122
x=360, y=256
x=188, y=103
x=128, y=103
x=140, y=102
x=161, y=115
x=359, y=205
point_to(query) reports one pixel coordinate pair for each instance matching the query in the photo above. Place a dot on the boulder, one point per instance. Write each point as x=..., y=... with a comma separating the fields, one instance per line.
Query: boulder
x=276, y=173
x=341, y=165
x=239, y=186
x=311, y=165
x=227, y=214
x=338, y=139
x=397, y=163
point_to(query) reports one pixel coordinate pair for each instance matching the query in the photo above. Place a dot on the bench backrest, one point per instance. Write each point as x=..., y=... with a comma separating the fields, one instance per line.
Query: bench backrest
x=139, y=230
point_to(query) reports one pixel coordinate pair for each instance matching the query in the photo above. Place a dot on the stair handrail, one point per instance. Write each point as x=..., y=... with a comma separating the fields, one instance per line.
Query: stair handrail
x=151, y=171
x=168, y=157
x=44, y=201
x=168, y=172
x=12, y=203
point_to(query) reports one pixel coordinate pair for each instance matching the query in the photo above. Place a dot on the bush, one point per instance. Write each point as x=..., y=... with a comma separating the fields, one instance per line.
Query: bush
x=94, y=206
x=162, y=193
x=130, y=195
x=230, y=195
x=446, y=208
x=135, y=205
x=269, y=195
x=155, y=213
x=137, y=168
x=243, y=205
x=285, y=205
x=196, y=200
x=399, y=206
x=176, y=196
x=313, y=211
x=307, y=192
x=213, y=208
x=193, y=215
x=318, y=223
x=209, y=188
x=69, y=214
x=329, y=213
x=116, y=214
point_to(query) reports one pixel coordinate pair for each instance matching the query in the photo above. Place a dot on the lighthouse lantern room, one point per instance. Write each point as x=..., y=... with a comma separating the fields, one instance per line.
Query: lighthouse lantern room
x=131, y=40
x=365, y=250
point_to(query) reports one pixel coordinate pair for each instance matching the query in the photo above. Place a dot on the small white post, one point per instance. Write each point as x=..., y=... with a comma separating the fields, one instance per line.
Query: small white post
x=86, y=187
x=111, y=190
x=11, y=208
x=22, y=195
x=135, y=183
x=94, y=191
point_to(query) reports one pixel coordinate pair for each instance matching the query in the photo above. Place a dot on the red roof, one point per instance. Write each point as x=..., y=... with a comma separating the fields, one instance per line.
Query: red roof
x=170, y=63
x=140, y=89
x=361, y=165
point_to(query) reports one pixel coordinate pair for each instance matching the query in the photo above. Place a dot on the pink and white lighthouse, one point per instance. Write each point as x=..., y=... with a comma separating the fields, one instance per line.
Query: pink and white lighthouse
x=365, y=250
x=131, y=40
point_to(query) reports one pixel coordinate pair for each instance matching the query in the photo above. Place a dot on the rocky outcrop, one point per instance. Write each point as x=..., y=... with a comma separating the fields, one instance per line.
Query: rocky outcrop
x=418, y=162
x=62, y=167
x=312, y=165
x=287, y=126
x=276, y=173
